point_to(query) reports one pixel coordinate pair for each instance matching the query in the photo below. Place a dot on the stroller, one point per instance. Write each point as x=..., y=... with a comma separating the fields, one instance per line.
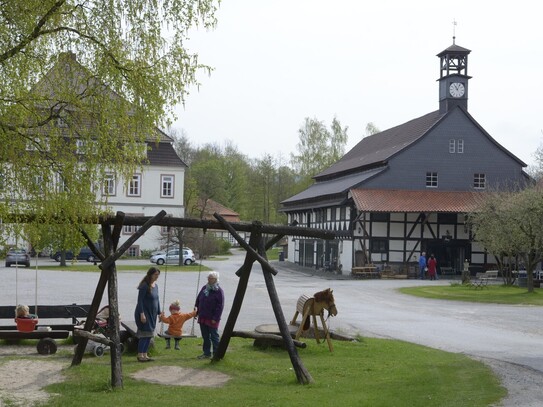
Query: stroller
x=102, y=328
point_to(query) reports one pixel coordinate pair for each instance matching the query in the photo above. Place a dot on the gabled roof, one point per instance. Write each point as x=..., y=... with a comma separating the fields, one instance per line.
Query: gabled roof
x=378, y=148
x=334, y=186
x=395, y=200
x=209, y=207
x=163, y=154
x=69, y=73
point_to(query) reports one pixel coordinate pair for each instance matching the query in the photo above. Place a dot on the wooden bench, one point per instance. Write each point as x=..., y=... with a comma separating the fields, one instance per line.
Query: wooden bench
x=365, y=272
x=45, y=332
x=482, y=279
x=445, y=271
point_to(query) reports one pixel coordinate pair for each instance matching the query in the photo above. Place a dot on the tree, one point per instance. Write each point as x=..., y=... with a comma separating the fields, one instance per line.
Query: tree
x=371, y=129
x=509, y=223
x=318, y=147
x=104, y=73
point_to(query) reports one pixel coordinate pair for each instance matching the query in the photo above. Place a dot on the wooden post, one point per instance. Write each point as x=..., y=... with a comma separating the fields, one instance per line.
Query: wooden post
x=244, y=272
x=113, y=320
x=303, y=376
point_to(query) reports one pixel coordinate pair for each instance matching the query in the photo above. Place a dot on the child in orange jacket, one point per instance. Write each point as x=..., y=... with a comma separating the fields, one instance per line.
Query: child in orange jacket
x=175, y=323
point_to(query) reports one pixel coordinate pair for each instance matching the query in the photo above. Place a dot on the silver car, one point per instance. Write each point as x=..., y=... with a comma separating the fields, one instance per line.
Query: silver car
x=17, y=256
x=172, y=257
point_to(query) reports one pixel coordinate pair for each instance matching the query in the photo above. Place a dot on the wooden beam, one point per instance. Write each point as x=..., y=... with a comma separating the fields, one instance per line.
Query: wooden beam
x=272, y=337
x=152, y=221
x=132, y=220
x=96, y=338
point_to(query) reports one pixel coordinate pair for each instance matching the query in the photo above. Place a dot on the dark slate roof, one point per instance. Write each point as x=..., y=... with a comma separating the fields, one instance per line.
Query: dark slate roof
x=163, y=154
x=454, y=49
x=378, y=148
x=332, y=187
x=394, y=200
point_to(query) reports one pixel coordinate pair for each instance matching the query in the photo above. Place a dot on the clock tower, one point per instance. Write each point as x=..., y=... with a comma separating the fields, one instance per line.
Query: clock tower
x=453, y=78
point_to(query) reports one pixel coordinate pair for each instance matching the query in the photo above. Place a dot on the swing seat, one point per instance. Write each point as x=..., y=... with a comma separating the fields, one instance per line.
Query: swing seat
x=26, y=324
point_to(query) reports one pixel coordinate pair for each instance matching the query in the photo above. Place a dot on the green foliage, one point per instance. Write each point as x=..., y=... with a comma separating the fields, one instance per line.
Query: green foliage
x=104, y=73
x=318, y=147
x=373, y=372
x=508, y=224
x=224, y=247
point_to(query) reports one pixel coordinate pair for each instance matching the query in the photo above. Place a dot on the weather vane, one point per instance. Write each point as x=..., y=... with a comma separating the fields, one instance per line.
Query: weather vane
x=454, y=30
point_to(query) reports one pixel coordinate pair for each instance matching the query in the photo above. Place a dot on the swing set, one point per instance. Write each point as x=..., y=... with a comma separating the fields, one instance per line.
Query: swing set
x=162, y=334
x=112, y=226
x=27, y=326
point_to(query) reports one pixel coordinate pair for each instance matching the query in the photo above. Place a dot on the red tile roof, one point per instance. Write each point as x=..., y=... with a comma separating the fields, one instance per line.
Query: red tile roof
x=394, y=200
x=212, y=206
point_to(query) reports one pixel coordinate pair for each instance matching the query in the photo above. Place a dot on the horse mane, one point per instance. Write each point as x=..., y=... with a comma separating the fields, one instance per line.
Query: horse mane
x=324, y=295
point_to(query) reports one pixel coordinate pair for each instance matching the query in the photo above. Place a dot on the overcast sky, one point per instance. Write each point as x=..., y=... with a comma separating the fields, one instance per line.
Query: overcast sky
x=277, y=62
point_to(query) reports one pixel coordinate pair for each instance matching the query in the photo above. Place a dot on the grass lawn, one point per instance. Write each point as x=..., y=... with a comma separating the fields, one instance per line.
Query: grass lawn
x=499, y=294
x=371, y=372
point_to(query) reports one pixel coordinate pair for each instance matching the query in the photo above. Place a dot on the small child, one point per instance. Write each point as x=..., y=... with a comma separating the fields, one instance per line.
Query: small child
x=23, y=312
x=175, y=322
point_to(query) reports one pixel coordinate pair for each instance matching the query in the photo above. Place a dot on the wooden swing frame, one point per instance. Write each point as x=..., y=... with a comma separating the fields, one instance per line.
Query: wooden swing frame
x=111, y=227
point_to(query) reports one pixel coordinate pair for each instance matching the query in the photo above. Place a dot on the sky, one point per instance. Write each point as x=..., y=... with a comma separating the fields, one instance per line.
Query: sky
x=276, y=62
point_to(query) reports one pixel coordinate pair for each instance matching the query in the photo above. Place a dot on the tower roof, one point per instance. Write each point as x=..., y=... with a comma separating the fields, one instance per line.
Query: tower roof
x=454, y=49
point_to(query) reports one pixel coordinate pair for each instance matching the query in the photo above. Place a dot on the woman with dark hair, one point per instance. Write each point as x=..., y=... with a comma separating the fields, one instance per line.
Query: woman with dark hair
x=147, y=312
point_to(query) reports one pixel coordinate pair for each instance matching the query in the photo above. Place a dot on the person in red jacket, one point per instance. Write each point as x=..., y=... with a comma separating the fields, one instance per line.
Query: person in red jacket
x=432, y=267
x=175, y=323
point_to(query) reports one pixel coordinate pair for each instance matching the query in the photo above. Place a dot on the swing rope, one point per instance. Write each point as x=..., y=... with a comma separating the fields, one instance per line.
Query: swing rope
x=166, y=277
x=199, y=273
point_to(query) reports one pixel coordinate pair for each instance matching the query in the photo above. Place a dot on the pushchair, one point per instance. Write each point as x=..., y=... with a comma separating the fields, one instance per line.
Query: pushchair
x=101, y=327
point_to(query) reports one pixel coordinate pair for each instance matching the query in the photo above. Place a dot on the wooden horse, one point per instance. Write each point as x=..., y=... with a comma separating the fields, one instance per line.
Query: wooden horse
x=311, y=307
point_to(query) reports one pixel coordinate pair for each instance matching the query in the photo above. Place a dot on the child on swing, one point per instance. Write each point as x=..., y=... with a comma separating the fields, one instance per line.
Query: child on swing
x=175, y=322
x=23, y=312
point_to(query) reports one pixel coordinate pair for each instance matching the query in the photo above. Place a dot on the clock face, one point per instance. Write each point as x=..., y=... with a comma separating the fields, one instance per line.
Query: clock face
x=457, y=89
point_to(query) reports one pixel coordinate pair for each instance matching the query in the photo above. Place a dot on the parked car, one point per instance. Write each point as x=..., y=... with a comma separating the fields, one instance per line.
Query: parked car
x=84, y=254
x=17, y=256
x=172, y=257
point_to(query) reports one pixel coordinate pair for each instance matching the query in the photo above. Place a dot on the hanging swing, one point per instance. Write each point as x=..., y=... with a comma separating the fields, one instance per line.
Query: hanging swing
x=192, y=334
x=25, y=321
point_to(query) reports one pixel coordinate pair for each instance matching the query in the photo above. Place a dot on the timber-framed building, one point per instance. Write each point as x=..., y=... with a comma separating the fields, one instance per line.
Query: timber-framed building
x=408, y=189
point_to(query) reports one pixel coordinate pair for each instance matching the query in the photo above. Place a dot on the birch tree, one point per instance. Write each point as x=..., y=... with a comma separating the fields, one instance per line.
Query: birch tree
x=84, y=85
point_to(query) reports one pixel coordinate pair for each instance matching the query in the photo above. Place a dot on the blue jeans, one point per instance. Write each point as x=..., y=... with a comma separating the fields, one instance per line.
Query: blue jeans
x=422, y=273
x=210, y=336
x=143, y=344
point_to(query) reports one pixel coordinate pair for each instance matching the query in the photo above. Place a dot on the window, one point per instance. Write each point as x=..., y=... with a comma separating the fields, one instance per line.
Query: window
x=134, y=186
x=479, y=181
x=167, y=186
x=80, y=146
x=456, y=146
x=379, y=246
x=60, y=184
x=452, y=146
x=131, y=229
x=133, y=251
x=109, y=185
x=460, y=144
x=342, y=213
x=431, y=179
